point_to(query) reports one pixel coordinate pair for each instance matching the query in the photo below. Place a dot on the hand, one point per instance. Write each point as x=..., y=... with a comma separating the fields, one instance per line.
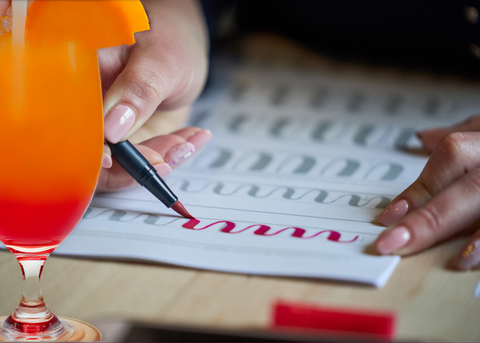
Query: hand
x=162, y=152
x=148, y=87
x=164, y=70
x=444, y=200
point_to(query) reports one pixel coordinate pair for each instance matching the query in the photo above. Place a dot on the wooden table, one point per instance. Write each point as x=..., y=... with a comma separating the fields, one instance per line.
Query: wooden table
x=432, y=302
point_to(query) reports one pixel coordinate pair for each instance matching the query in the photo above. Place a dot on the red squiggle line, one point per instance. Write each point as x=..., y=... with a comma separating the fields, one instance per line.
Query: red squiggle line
x=194, y=222
x=263, y=230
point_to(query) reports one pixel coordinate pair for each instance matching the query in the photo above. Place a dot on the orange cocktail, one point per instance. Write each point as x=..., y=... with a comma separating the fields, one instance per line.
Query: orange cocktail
x=51, y=134
x=51, y=141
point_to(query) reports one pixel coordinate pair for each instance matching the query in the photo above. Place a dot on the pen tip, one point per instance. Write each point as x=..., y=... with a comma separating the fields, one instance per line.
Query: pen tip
x=180, y=209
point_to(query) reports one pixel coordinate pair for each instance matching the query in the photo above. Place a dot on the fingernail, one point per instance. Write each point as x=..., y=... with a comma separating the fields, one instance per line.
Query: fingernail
x=200, y=138
x=179, y=153
x=162, y=169
x=392, y=240
x=118, y=122
x=394, y=213
x=469, y=256
x=107, y=161
x=107, y=157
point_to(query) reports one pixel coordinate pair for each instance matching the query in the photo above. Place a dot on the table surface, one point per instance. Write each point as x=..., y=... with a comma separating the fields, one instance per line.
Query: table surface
x=431, y=301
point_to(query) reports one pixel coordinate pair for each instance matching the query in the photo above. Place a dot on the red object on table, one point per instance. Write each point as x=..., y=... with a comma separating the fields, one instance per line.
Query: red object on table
x=334, y=321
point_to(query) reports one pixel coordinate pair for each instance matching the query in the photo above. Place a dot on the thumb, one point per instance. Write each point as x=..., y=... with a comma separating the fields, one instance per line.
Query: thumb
x=134, y=96
x=166, y=68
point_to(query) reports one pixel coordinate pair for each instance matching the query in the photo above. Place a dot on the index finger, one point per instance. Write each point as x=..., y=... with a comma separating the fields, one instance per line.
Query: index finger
x=442, y=201
x=454, y=156
x=449, y=212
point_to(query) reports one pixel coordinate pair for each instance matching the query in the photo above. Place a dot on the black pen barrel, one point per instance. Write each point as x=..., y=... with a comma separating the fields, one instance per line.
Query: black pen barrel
x=142, y=171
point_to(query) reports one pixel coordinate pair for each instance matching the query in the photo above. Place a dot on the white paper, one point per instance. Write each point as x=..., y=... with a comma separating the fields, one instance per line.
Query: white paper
x=301, y=164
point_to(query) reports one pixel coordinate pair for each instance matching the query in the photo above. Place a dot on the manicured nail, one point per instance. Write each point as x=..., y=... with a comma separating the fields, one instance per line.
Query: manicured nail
x=107, y=157
x=469, y=256
x=393, y=240
x=118, y=122
x=179, y=153
x=107, y=161
x=394, y=213
x=200, y=138
x=162, y=169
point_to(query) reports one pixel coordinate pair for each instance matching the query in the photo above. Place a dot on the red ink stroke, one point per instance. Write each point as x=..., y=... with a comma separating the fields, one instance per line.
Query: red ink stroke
x=262, y=230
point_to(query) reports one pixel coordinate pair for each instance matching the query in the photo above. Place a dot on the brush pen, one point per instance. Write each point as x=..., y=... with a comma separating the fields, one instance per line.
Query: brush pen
x=145, y=174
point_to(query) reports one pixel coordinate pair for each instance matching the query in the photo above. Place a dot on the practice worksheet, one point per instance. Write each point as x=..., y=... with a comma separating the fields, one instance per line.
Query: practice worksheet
x=303, y=160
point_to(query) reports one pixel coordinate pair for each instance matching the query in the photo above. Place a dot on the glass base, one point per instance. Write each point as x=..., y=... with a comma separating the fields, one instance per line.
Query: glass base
x=72, y=330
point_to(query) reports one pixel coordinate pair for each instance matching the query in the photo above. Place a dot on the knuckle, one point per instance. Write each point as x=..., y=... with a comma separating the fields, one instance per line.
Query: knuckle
x=189, y=88
x=454, y=147
x=424, y=188
x=147, y=86
x=432, y=218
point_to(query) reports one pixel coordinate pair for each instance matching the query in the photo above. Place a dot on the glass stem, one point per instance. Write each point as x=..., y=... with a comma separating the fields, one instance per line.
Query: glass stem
x=32, y=308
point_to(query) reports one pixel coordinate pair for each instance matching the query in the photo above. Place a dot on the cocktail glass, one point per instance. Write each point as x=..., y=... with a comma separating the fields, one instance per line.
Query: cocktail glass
x=51, y=146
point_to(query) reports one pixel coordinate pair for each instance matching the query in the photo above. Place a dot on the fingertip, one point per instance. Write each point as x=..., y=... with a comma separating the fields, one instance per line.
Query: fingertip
x=179, y=153
x=118, y=123
x=200, y=138
x=163, y=169
x=107, y=162
x=469, y=256
x=431, y=137
x=152, y=156
x=393, y=213
x=392, y=240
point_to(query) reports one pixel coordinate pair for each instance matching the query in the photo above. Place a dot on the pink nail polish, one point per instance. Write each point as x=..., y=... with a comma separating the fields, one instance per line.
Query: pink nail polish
x=179, y=153
x=200, y=138
x=394, y=213
x=392, y=240
x=163, y=169
x=118, y=122
x=107, y=161
x=469, y=256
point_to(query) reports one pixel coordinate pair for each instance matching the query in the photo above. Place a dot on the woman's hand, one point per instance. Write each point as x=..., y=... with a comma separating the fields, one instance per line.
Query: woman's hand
x=162, y=152
x=444, y=200
x=164, y=70
x=148, y=88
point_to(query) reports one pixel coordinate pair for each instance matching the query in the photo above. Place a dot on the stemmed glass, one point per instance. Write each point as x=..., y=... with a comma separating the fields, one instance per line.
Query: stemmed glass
x=51, y=145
